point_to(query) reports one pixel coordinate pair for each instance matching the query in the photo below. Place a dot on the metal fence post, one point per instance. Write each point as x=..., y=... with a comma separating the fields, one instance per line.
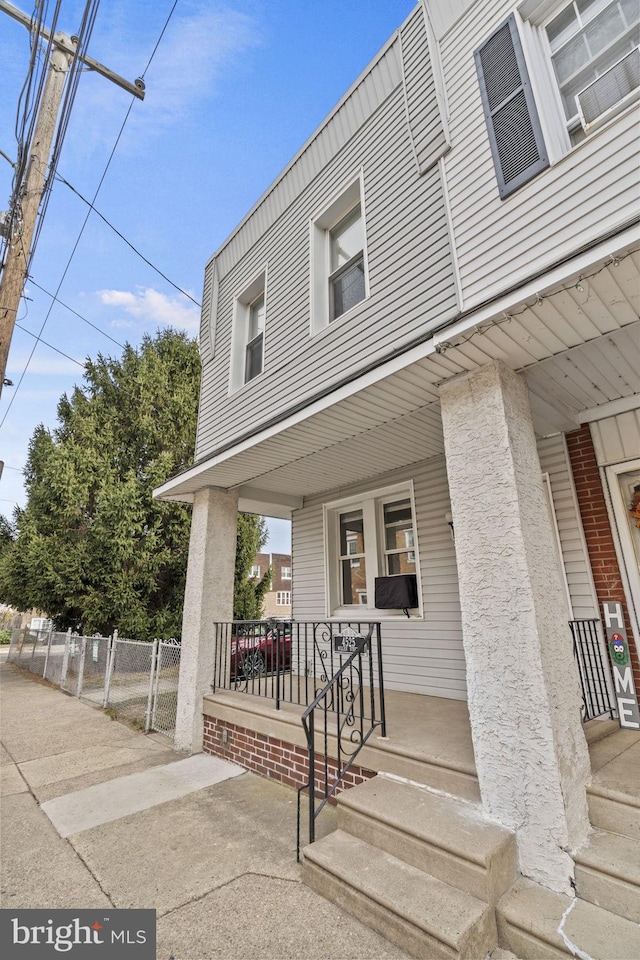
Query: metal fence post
x=46, y=656
x=110, y=661
x=83, y=650
x=147, y=718
x=156, y=684
x=65, y=659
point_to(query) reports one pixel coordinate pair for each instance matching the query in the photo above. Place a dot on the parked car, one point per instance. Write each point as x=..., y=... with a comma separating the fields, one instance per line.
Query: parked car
x=259, y=649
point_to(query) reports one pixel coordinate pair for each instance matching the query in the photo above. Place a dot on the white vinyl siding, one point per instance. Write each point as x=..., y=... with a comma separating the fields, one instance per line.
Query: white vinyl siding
x=555, y=462
x=587, y=193
x=420, y=655
x=408, y=256
x=617, y=438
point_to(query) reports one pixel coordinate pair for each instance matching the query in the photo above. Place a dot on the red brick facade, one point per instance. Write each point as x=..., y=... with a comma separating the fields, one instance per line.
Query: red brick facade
x=597, y=530
x=270, y=757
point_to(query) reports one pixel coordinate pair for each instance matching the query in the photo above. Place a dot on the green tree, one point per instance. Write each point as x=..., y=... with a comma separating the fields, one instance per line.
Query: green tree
x=248, y=593
x=92, y=548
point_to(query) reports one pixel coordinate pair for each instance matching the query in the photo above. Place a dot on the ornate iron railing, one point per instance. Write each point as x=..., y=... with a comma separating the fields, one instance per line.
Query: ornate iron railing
x=341, y=718
x=595, y=680
x=286, y=661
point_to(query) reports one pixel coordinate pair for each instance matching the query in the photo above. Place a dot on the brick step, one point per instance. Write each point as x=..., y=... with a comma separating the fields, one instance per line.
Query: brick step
x=444, y=836
x=417, y=912
x=608, y=873
x=532, y=920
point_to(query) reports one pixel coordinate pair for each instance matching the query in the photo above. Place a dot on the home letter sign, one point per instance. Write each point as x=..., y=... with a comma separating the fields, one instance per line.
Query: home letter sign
x=618, y=645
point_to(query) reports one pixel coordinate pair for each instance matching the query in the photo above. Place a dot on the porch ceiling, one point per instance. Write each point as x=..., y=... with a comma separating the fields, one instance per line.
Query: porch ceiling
x=578, y=345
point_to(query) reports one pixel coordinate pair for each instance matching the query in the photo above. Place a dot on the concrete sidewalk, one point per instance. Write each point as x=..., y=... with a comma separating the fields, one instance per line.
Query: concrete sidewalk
x=96, y=814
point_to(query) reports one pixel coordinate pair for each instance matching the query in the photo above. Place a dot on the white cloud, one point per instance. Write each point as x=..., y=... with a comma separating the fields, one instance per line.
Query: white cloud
x=152, y=308
x=201, y=40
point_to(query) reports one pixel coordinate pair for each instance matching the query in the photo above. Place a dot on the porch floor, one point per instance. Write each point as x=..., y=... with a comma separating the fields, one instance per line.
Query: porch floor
x=435, y=732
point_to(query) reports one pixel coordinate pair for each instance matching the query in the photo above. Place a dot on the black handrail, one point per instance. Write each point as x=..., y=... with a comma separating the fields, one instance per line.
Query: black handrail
x=342, y=698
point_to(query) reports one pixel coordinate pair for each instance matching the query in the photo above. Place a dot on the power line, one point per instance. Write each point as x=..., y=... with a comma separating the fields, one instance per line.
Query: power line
x=75, y=313
x=75, y=247
x=39, y=339
x=128, y=242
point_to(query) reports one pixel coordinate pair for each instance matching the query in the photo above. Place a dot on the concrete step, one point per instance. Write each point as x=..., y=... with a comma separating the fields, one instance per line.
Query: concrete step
x=608, y=873
x=614, y=810
x=417, y=912
x=537, y=924
x=446, y=837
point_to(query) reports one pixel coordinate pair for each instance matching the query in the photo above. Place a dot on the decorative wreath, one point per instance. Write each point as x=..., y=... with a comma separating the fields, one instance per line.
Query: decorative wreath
x=634, y=509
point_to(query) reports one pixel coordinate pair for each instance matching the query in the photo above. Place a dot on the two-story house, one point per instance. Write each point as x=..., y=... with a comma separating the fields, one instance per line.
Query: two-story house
x=277, y=600
x=422, y=345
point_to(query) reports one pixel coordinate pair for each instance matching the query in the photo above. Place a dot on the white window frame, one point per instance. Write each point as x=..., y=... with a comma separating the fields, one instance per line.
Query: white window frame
x=243, y=301
x=254, y=572
x=283, y=598
x=534, y=16
x=371, y=503
x=333, y=211
x=285, y=575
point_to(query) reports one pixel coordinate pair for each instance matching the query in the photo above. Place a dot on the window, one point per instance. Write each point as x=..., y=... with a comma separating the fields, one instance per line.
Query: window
x=368, y=537
x=285, y=573
x=255, y=338
x=283, y=598
x=247, y=347
x=254, y=573
x=346, y=255
x=338, y=258
x=594, y=51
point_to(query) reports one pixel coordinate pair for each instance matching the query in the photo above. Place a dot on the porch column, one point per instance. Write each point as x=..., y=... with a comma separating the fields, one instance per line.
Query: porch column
x=523, y=692
x=208, y=599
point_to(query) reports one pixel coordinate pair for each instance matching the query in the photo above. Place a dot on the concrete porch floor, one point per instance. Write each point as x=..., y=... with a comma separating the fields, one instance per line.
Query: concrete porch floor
x=435, y=731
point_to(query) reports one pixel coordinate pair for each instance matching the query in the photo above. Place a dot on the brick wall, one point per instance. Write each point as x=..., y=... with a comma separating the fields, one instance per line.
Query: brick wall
x=269, y=757
x=597, y=530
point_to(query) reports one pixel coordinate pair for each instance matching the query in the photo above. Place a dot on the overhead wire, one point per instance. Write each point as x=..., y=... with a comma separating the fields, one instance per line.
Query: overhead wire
x=38, y=337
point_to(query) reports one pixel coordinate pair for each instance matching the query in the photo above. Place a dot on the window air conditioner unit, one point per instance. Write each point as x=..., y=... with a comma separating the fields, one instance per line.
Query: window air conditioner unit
x=618, y=83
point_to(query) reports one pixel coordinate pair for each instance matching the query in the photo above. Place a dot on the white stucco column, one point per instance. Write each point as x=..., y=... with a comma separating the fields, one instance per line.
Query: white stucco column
x=524, y=702
x=208, y=599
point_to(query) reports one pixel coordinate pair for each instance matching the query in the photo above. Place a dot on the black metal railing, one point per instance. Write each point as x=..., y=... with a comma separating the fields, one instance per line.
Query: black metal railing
x=286, y=661
x=341, y=718
x=593, y=671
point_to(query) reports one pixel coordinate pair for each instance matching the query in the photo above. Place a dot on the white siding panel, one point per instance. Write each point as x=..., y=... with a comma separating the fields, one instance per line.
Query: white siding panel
x=410, y=277
x=554, y=461
x=617, y=438
x=588, y=192
x=425, y=124
x=420, y=656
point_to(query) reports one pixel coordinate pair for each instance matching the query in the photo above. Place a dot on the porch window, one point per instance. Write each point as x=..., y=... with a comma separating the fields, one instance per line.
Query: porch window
x=367, y=537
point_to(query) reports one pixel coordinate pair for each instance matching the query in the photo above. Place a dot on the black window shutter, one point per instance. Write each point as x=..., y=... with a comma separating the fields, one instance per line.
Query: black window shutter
x=515, y=135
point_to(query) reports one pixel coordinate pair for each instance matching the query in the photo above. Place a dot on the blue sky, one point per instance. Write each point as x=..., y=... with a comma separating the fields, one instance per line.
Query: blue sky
x=232, y=92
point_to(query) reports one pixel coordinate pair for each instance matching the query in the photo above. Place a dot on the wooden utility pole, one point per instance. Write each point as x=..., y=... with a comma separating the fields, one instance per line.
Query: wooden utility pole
x=17, y=262
x=31, y=190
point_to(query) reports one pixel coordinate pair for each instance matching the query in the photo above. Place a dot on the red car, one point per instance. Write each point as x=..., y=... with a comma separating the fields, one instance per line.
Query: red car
x=259, y=650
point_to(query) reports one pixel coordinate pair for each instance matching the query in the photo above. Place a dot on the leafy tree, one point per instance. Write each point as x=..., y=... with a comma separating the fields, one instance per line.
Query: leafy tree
x=92, y=547
x=248, y=594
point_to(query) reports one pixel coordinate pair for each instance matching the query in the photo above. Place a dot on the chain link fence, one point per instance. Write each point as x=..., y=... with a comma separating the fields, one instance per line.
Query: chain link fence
x=165, y=695
x=133, y=680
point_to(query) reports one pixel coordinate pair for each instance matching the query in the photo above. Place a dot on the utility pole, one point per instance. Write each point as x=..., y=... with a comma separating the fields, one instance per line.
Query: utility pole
x=15, y=271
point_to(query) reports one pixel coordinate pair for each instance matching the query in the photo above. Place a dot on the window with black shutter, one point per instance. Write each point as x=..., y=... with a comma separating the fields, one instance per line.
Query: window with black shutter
x=515, y=135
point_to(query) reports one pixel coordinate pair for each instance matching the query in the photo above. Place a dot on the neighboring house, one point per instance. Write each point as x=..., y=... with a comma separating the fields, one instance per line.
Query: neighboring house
x=428, y=328
x=277, y=602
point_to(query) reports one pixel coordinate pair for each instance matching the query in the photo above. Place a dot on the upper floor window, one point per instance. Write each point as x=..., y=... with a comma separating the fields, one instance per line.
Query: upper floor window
x=339, y=279
x=594, y=51
x=346, y=253
x=248, y=337
x=254, y=572
x=254, y=353
x=285, y=573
